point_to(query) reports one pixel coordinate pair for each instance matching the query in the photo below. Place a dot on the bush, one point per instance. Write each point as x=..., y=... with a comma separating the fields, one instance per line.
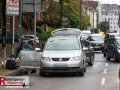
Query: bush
x=38, y=30
x=49, y=31
x=43, y=36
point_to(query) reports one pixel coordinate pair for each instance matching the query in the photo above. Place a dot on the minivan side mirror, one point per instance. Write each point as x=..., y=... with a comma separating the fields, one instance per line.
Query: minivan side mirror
x=38, y=49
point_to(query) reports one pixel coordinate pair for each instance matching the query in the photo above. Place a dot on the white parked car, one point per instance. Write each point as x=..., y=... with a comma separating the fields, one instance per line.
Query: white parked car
x=31, y=37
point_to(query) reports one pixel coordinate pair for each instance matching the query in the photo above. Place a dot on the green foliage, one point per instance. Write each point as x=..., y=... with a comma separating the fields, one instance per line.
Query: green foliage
x=43, y=36
x=74, y=21
x=53, y=14
x=104, y=26
x=38, y=30
x=49, y=31
x=94, y=31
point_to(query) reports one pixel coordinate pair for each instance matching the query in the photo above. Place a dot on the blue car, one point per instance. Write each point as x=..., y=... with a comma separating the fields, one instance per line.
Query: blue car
x=113, y=49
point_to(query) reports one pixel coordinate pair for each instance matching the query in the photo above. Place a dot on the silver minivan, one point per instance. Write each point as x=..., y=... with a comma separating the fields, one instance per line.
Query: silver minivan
x=63, y=54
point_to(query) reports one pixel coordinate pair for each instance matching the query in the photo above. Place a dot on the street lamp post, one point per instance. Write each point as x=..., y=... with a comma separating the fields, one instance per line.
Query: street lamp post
x=93, y=20
x=20, y=21
x=61, y=12
x=80, y=15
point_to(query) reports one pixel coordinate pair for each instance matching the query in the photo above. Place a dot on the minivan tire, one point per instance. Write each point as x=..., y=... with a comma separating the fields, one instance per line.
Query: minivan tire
x=42, y=74
x=83, y=71
x=92, y=61
x=115, y=59
x=107, y=57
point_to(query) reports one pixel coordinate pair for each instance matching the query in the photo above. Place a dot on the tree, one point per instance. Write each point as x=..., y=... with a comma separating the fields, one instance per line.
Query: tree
x=104, y=26
x=53, y=12
x=29, y=23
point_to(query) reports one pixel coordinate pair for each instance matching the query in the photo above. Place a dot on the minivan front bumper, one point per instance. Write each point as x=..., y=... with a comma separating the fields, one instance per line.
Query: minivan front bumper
x=54, y=67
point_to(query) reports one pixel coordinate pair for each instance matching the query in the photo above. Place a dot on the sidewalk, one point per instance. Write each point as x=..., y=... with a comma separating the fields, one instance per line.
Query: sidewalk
x=6, y=72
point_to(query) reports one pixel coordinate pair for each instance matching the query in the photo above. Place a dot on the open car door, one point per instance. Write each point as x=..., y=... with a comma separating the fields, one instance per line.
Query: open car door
x=30, y=59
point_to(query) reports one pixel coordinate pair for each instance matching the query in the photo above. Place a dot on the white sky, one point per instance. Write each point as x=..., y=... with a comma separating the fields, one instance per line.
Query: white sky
x=110, y=1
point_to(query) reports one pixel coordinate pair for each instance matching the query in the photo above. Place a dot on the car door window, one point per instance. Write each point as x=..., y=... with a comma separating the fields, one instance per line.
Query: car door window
x=113, y=41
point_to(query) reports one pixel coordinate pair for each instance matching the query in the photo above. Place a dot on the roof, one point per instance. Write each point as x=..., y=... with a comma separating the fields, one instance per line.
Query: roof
x=93, y=4
x=110, y=8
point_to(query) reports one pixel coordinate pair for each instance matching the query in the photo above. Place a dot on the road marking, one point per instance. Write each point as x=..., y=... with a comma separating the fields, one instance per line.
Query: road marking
x=106, y=64
x=105, y=71
x=103, y=81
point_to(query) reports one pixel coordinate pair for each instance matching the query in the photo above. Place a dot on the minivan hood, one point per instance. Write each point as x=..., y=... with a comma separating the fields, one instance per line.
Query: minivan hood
x=97, y=42
x=57, y=54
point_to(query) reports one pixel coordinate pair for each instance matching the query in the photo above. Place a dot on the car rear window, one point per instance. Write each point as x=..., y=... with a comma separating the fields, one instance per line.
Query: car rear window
x=67, y=32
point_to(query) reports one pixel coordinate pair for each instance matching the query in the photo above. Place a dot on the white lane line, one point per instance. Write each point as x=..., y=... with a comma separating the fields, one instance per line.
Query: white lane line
x=106, y=64
x=105, y=71
x=103, y=81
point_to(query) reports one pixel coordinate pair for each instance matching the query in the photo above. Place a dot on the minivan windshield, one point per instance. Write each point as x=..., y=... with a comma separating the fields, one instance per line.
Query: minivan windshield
x=62, y=44
x=96, y=38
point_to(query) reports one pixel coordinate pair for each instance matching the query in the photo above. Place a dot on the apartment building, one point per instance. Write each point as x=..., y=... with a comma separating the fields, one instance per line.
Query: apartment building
x=110, y=12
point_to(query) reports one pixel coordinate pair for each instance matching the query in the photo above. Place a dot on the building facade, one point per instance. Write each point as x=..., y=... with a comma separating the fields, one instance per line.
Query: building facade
x=110, y=12
x=94, y=12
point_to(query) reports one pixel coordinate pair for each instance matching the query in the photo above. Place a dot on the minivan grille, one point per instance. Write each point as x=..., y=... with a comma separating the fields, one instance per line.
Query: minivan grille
x=60, y=59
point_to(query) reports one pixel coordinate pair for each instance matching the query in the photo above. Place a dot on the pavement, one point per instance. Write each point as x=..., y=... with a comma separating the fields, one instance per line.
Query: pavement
x=103, y=75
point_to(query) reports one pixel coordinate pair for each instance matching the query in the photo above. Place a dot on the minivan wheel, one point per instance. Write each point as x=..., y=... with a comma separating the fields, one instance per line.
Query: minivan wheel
x=42, y=74
x=107, y=57
x=92, y=61
x=115, y=59
x=104, y=54
x=83, y=70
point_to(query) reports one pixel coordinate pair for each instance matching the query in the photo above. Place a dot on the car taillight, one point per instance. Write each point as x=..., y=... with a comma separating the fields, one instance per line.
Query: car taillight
x=36, y=39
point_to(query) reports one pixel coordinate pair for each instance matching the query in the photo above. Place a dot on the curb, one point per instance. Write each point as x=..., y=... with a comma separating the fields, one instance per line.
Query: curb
x=16, y=72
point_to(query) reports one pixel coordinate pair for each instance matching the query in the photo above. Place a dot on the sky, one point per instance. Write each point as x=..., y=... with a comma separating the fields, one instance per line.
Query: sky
x=110, y=1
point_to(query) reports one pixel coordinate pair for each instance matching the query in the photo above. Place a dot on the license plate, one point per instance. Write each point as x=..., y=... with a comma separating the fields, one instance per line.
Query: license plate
x=59, y=65
x=96, y=47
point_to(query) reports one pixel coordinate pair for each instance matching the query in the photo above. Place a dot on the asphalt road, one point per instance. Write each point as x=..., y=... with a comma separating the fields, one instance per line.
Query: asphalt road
x=103, y=75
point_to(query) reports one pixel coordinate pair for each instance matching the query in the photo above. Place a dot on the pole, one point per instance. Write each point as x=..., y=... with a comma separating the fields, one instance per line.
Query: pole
x=35, y=25
x=4, y=30
x=93, y=20
x=80, y=15
x=61, y=12
x=68, y=11
x=97, y=22
x=20, y=20
x=13, y=34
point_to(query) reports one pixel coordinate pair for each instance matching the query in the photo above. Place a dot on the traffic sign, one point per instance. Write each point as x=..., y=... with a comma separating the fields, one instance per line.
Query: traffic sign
x=12, y=7
x=13, y=3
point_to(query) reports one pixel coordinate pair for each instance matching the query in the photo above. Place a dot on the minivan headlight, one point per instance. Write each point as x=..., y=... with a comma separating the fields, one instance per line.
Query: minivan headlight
x=77, y=58
x=119, y=51
x=45, y=59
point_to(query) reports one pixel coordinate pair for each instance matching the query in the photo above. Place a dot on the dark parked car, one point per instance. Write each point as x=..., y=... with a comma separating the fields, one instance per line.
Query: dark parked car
x=96, y=41
x=89, y=51
x=9, y=38
x=108, y=36
x=113, y=49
